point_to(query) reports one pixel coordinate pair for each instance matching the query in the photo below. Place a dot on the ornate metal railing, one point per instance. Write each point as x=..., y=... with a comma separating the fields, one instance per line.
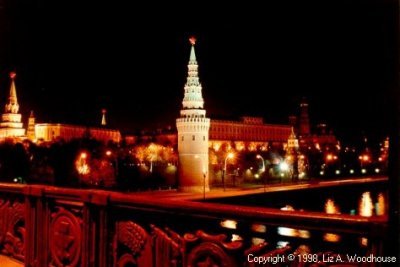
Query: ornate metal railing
x=50, y=226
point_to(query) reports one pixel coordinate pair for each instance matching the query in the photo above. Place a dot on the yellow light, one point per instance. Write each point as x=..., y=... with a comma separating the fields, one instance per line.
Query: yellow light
x=329, y=237
x=259, y=228
x=108, y=153
x=230, y=224
x=83, y=155
x=231, y=155
x=364, y=241
x=236, y=238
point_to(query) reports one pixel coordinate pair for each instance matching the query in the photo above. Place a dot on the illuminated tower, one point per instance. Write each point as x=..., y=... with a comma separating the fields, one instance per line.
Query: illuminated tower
x=193, y=128
x=103, y=117
x=30, y=133
x=304, y=123
x=293, y=142
x=11, y=125
x=292, y=153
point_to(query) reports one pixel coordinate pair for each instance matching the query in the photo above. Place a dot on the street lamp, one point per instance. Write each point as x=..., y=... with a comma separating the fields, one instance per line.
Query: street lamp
x=262, y=169
x=229, y=156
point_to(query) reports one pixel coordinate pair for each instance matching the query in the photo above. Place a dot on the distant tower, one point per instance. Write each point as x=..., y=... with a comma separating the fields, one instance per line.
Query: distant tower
x=193, y=128
x=293, y=142
x=30, y=133
x=292, y=154
x=11, y=125
x=103, y=117
x=304, y=123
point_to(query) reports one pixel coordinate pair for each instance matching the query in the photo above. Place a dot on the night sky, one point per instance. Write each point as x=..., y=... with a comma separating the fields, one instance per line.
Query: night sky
x=74, y=58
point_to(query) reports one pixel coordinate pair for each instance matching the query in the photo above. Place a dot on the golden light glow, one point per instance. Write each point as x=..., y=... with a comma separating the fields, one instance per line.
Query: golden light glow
x=108, y=153
x=364, y=241
x=366, y=206
x=231, y=155
x=329, y=237
x=330, y=207
x=81, y=164
x=286, y=231
x=230, y=224
x=236, y=238
x=259, y=228
x=381, y=205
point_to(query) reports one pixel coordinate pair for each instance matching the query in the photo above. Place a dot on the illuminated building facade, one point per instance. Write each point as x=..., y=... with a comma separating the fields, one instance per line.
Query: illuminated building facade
x=49, y=132
x=11, y=125
x=193, y=133
x=251, y=133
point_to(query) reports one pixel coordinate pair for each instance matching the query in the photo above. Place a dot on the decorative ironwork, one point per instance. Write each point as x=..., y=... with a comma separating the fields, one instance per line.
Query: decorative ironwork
x=213, y=250
x=12, y=229
x=65, y=238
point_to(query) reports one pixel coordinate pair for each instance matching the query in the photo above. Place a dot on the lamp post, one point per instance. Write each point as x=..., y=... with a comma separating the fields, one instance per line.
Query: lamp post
x=229, y=156
x=262, y=169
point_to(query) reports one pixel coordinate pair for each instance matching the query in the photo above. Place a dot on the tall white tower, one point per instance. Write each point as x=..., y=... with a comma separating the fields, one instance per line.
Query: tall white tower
x=11, y=125
x=193, y=128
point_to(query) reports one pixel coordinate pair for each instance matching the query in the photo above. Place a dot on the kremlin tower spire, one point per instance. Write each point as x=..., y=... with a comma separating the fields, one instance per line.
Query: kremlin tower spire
x=193, y=130
x=11, y=125
x=193, y=97
x=103, y=117
x=12, y=104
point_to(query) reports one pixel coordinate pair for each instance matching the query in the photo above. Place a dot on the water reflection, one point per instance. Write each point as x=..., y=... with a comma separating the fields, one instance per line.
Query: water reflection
x=286, y=231
x=230, y=224
x=366, y=207
x=331, y=207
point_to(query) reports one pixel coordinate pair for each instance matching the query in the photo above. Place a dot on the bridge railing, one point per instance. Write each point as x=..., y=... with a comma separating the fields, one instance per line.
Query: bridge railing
x=50, y=226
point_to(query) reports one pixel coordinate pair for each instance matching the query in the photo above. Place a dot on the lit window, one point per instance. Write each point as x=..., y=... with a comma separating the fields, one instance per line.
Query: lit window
x=193, y=137
x=183, y=138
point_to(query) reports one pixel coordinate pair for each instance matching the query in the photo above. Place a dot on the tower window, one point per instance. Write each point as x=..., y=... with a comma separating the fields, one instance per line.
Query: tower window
x=193, y=137
x=183, y=138
x=204, y=138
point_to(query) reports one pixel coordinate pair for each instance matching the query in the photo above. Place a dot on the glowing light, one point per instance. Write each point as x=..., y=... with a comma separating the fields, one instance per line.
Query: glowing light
x=192, y=40
x=380, y=205
x=259, y=228
x=363, y=171
x=366, y=206
x=108, y=153
x=230, y=224
x=351, y=171
x=282, y=244
x=286, y=231
x=377, y=170
x=330, y=207
x=337, y=172
x=321, y=173
x=329, y=237
x=15, y=180
x=284, y=166
x=256, y=176
x=364, y=241
x=231, y=155
x=364, y=158
x=236, y=238
x=257, y=241
x=329, y=157
x=13, y=75
x=81, y=165
x=288, y=207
